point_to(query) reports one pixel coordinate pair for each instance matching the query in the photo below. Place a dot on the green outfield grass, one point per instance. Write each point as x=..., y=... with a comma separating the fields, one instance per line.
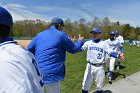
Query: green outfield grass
x=76, y=64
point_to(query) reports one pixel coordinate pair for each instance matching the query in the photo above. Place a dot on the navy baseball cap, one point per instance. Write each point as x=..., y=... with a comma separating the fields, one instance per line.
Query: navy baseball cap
x=97, y=30
x=112, y=33
x=116, y=32
x=57, y=20
x=5, y=17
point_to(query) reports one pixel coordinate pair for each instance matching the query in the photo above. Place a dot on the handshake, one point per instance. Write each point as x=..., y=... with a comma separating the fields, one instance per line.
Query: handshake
x=73, y=38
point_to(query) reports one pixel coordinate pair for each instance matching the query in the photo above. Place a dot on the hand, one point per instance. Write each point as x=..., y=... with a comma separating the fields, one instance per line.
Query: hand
x=81, y=37
x=72, y=38
x=121, y=56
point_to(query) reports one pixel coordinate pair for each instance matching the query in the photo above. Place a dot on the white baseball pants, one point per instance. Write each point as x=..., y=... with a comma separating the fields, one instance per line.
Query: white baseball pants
x=110, y=62
x=96, y=73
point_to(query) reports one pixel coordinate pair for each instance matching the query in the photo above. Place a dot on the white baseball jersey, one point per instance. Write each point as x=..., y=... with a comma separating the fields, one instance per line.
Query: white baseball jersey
x=17, y=72
x=120, y=39
x=138, y=43
x=96, y=51
x=114, y=45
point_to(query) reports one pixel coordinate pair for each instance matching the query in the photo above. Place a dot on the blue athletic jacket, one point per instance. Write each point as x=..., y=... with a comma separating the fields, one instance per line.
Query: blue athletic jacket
x=49, y=48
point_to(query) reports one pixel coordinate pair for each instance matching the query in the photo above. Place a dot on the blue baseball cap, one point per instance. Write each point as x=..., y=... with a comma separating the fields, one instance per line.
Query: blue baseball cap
x=97, y=30
x=112, y=33
x=116, y=32
x=5, y=17
x=57, y=20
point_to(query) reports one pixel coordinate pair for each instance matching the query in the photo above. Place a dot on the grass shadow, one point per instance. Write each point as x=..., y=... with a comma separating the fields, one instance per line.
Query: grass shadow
x=117, y=74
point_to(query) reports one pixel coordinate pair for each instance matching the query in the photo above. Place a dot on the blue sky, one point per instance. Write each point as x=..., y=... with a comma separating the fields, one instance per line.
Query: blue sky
x=125, y=11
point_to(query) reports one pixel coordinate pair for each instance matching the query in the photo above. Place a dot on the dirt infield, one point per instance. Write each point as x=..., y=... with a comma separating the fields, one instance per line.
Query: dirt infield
x=23, y=43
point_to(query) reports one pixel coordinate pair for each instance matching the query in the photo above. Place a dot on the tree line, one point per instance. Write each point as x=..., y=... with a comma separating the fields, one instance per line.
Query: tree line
x=29, y=28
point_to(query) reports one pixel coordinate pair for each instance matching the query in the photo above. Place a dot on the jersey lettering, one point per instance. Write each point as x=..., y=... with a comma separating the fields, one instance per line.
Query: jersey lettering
x=96, y=48
x=112, y=45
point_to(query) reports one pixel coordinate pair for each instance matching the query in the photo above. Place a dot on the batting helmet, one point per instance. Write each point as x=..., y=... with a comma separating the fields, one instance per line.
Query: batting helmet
x=112, y=33
x=5, y=17
x=116, y=32
x=57, y=20
x=97, y=30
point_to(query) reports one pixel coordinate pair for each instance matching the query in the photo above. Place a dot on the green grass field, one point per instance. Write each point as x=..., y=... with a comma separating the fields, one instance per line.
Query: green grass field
x=75, y=67
x=76, y=64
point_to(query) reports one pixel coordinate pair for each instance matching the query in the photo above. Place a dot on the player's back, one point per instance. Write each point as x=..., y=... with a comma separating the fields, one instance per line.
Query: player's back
x=17, y=72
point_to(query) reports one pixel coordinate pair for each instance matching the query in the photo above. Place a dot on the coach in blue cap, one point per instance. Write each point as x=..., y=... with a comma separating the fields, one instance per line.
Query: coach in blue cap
x=49, y=48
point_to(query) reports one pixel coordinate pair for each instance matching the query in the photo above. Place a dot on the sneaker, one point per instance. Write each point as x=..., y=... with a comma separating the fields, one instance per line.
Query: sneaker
x=99, y=91
x=124, y=76
x=110, y=80
x=84, y=91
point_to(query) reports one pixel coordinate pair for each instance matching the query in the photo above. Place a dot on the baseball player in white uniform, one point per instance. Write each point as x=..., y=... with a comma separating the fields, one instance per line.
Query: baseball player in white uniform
x=138, y=43
x=134, y=42
x=110, y=61
x=18, y=72
x=121, y=40
x=95, y=57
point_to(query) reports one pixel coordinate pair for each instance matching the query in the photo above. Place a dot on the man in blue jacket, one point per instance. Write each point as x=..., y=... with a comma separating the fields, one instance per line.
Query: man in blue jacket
x=49, y=48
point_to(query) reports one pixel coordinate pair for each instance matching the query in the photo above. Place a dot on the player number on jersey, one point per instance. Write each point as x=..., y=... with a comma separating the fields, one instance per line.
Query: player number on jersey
x=99, y=56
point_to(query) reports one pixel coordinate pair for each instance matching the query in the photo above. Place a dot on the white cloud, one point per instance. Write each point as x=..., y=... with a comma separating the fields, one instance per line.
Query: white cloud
x=127, y=13
x=74, y=12
x=44, y=8
x=13, y=5
x=20, y=12
x=124, y=13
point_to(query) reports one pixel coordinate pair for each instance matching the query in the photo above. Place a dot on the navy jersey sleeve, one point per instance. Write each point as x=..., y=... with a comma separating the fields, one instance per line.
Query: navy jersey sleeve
x=70, y=46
